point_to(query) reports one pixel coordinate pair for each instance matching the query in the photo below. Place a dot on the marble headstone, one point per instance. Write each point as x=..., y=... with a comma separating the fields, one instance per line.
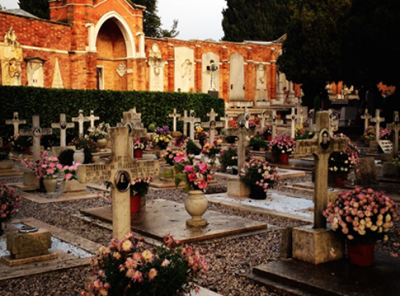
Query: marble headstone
x=210, y=79
x=184, y=69
x=156, y=69
x=237, y=86
x=261, y=83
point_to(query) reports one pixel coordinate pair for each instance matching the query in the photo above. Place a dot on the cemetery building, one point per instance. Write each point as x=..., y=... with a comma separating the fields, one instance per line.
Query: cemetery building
x=97, y=44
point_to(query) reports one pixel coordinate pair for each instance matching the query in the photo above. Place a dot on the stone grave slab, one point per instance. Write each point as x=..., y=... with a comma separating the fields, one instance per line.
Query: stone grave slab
x=163, y=217
x=297, y=164
x=10, y=173
x=68, y=196
x=294, y=277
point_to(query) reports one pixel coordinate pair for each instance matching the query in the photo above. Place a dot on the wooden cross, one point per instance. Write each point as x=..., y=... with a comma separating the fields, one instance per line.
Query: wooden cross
x=395, y=127
x=333, y=123
x=212, y=124
x=241, y=132
x=366, y=118
x=80, y=119
x=265, y=117
x=36, y=132
x=92, y=119
x=247, y=116
x=191, y=120
x=16, y=122
x=274, y=123
x=63, y=125
x=174, y=116
x=378, y=119
x=119, y=172
x=321, y=146
x=293, y=118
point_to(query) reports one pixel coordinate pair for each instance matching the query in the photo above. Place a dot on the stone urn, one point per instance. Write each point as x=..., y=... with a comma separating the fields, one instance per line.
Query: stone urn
x=79, y=156
x=50, y=184
x=196, y=205
x=6, y=164
x=102, y=143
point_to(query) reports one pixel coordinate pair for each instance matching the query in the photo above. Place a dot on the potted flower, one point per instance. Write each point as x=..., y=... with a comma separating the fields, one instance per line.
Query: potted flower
x=302, y=134
x=341, y=163
x=191, y=148
x=181, y=141
x=257, y=144
x=162, y=137
x=9, y=203
x=202, y=137
x=140, y=144
x=131, y=267
x=369, y=134
x=212, y=150
x=48, y=168
x=5, y=162
x=195, y=175
x=70, y=181
x=384, y=134
x=267, y=132
x=260, y=176
x=100, y=134
x=362, y=216
x=20, y=143
x=229, y=158
x=283, y=145
x=85, y=147
x=138, y=189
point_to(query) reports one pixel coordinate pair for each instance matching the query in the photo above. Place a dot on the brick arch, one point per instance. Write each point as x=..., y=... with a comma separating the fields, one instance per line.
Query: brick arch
x=125, y=30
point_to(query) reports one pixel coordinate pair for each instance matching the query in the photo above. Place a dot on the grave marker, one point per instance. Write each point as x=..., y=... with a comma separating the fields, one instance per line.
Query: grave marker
x=119, y=172
x=378, y=119
x=191, y=120
x=36, y=132
x=274, y=123
x=321, y=146
x=366, y=118
x=80, y=119
x=92, y=119
x=395, y=127
x=247, y=116
x=293, y=118
x=63, y=125
x=212, y=124
x=16, y=122
x=174, y=116
x=265, y=117
x=301, y=116
x=333, y=123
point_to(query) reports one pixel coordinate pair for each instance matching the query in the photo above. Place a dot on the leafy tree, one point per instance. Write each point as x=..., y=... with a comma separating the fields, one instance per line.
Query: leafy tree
x=312, y=51
x=2, y=7
x=260, y=20
x=39, y=8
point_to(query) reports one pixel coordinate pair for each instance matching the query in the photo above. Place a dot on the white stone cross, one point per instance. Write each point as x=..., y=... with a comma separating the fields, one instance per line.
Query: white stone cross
x=301, y=117
x=321, y=146
x=119, y=172
x=378, y=119
x=212, y=124
x=247, y=116
x=293, y=118
x=174, y=116
x=265, y=117
x=16, y=122
x=395, y=127
x=366, y=118
x=36, y=132
x=226, y=120
x=134, y=126
x=274, y=123
x=80, y=119
x=191, y=120
x=333, y=123
x=92, y=119
x=63, y=125
x=241, y=132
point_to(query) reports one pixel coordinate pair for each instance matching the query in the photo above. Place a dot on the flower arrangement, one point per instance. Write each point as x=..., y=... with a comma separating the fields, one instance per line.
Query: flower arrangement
x=258, y=172
x=141, y=143
x=45, y=167
x=170, y=155
x=88, y=145
x=362, y=216
x=70, y=172
x=140, y=186
x=20, y=143
x=302, y=134
x=229, y=157
x=9, y=203
x=384, y=134
x=343, y=162
x=197, y=128
x=100, y=131
x=283, y=144
x=211, y=150
x=202, y=137
x=181, y=141
x=130, y=267
x=232, y=123
x=195, y=175
x=191, y=148
x=369, y=133
x=5, y=150
x=163, y=137
x=257, y=143
x=252, y=124
x=267, y=130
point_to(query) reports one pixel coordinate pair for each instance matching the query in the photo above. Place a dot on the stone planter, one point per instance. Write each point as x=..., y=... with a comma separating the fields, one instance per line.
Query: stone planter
x=72, y=186
x=196, y=205
x=50, y=184
x=102, y=143
x=6, y=164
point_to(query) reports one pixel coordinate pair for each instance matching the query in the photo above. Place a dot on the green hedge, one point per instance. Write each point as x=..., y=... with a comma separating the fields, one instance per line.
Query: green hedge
x=109, y=105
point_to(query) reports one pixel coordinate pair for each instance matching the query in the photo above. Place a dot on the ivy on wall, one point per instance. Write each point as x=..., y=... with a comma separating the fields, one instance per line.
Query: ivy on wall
x=108, y=105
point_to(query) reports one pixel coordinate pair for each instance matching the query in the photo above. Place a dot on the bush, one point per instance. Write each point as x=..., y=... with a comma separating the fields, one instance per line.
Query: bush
x=9, y=203
x=66, y=157
x=191, y=148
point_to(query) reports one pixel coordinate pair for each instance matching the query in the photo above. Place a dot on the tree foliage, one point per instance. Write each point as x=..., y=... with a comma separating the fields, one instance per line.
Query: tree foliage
x=39, y=8
x=260, y=20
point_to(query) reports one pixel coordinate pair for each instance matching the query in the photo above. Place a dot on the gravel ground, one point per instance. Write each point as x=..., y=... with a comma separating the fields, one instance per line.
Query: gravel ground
x=231, y=259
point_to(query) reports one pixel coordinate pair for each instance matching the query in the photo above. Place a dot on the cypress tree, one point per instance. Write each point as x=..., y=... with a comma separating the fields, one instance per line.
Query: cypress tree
x=39, y=8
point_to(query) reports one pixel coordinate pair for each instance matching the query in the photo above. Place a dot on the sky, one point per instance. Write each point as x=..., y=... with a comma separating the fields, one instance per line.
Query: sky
x=197, y=19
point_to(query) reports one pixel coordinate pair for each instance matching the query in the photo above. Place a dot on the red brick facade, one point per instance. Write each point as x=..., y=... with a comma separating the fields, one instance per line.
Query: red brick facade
x=88, y=36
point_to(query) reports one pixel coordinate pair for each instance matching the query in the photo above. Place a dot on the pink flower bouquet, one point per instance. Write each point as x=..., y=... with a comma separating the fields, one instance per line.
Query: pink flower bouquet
x=283, y=144
x=9, y=203
x=45, y=167
x=70, y=172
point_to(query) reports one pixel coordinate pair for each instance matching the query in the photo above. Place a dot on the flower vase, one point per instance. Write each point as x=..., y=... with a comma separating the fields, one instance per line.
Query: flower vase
x=138, y=153
x=257, y=192
x=102, y=143
x=361, y=255
x=269, y=137
x=196, y=205
x=339, y=181
x=284, y=158
x=135, y=204
x=50, y=184
x=79, y=156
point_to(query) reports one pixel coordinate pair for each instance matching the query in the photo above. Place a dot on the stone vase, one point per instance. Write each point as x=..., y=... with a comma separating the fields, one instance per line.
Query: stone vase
x=196, y=205
x=102, y=143
x=6, y=164
x=79, y=156
x=50, y=184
